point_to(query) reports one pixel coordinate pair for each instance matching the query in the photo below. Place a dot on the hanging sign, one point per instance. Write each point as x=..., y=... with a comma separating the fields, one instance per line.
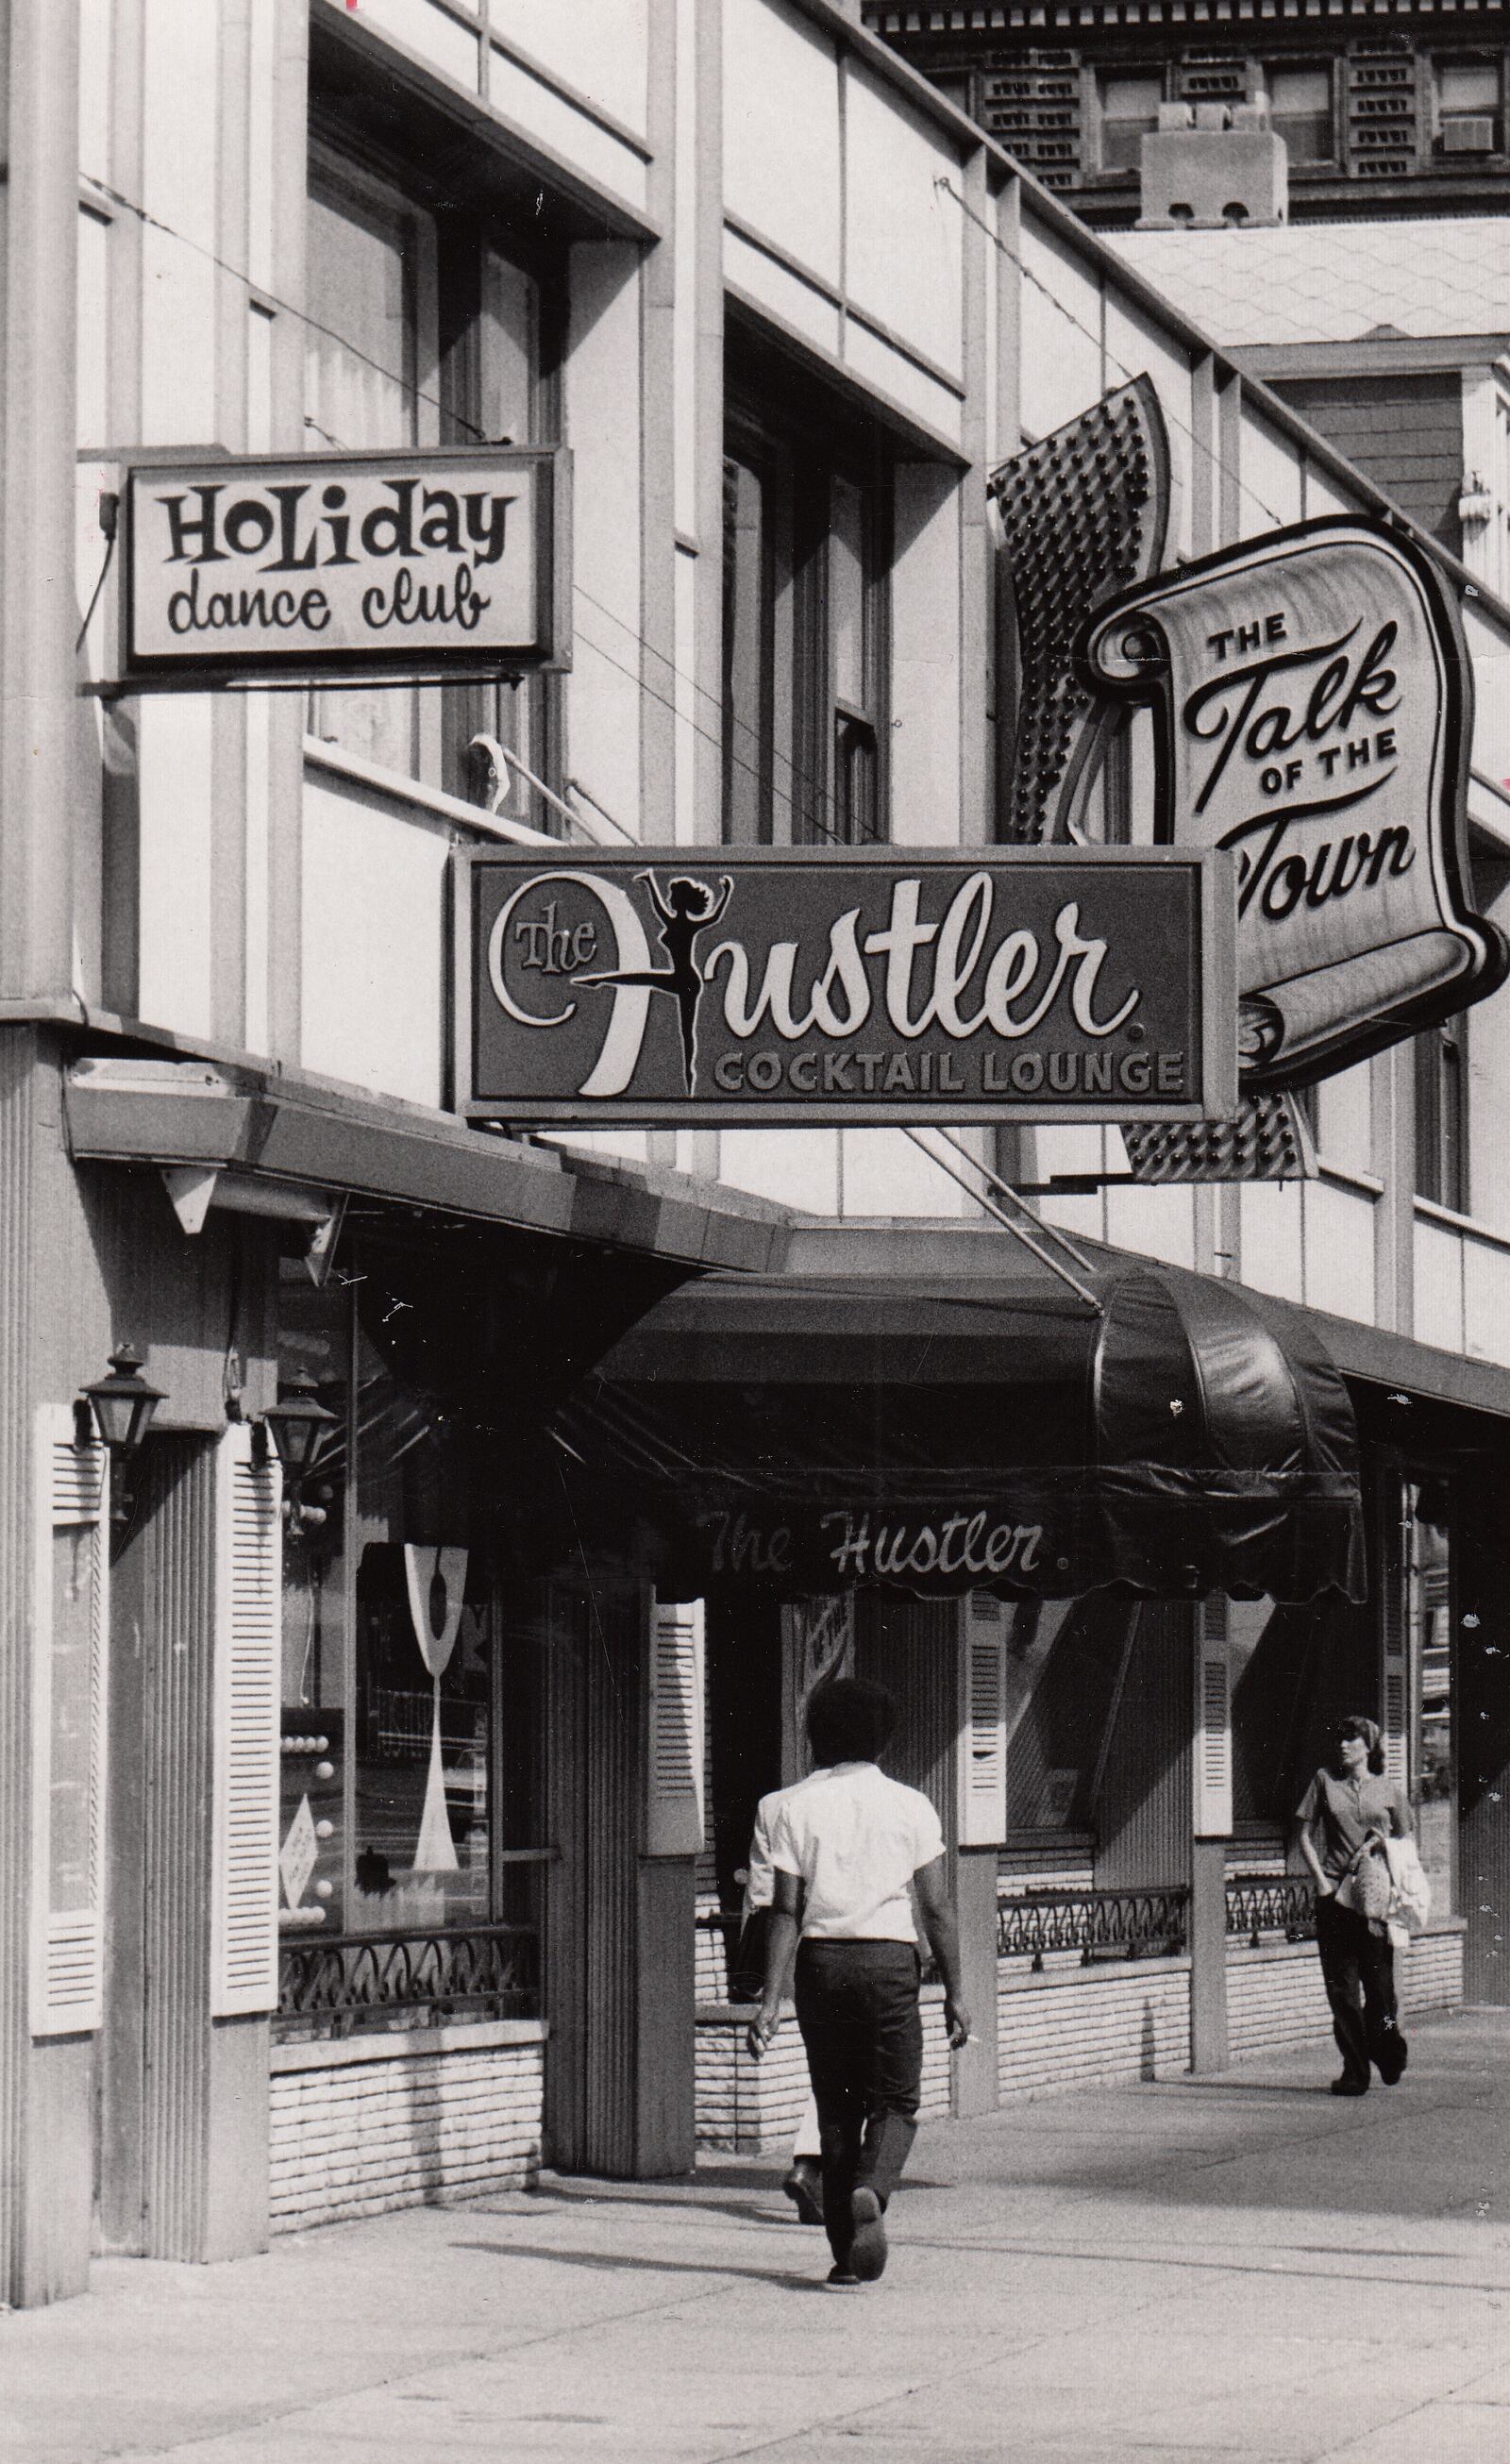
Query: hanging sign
x=378, y=566
x=844, y=985
x=1313, y=699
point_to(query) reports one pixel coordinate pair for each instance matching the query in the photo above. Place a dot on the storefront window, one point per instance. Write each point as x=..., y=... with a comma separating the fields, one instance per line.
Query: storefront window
x=1432, y=1746
x=1065, y=1666
x=414, y=1666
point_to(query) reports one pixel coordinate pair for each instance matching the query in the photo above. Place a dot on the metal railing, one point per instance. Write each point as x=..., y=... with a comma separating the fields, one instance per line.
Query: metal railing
x=330, y=1985
x=1117, y=1924
x=1261, y=1903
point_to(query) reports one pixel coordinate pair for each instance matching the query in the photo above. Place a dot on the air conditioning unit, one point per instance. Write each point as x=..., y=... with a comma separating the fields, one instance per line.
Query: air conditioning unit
x=1473, y=134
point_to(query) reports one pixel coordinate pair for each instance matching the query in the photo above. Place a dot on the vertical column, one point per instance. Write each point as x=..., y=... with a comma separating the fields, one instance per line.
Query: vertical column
x=38, y=616
x=183, y=2086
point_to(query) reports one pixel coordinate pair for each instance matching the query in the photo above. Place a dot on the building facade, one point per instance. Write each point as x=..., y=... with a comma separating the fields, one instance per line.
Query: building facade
x=788, y=311
x=1377, y=121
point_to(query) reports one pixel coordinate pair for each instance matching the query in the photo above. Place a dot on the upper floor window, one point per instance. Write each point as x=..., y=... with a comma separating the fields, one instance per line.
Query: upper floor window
x=424, y=330
x=1129, y=112
x=1469, y=107
x=806, y=552
x=1441, y=1114
x=1300, y=110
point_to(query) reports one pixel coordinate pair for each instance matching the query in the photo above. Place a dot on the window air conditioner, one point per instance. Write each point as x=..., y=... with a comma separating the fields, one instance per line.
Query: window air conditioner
x=1473, y=134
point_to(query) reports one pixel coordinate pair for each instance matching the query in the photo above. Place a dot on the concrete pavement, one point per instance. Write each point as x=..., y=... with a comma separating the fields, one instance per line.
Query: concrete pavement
x=1171, y=2274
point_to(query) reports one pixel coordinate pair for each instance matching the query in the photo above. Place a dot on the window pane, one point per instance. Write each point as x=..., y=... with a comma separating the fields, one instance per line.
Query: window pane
x=509, y=353
x=1468, y=85
x=747, y=653
x=1301, y=111
x=1129, y=110
x=847, y=592
x=424, y=1647
x=359, y=392
x=314, y=1341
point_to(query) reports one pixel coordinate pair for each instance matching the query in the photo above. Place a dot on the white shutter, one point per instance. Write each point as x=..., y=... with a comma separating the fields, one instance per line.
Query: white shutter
x=674, y=1755
x=71, y=1638
x=1394, y=1691
x=249, y=1584
x=982, y=1750
x=1212, y=1788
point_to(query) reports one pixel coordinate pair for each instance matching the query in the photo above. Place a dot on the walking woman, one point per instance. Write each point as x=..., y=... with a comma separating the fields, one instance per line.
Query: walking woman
x=1343, y=1819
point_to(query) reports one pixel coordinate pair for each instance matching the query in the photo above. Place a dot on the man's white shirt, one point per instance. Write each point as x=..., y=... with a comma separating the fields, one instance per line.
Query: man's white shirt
x=855, y=1838
x=760, y=1878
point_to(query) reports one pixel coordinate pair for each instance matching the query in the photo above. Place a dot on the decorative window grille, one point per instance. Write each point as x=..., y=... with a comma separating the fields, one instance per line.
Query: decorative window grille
x=71, y=1630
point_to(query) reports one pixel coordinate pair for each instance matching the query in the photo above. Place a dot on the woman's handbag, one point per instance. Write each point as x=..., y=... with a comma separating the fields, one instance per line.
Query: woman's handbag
x=1410, y=1894
x=1367, y=1887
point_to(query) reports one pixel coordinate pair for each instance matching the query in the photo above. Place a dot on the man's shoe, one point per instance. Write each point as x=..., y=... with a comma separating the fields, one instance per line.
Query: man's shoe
x=843, y=2279
x=867, y=2250
x=1346, y=2086
x=804, y=2187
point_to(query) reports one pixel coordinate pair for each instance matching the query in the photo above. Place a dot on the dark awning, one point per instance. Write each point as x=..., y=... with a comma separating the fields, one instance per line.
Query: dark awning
x=937, y=1435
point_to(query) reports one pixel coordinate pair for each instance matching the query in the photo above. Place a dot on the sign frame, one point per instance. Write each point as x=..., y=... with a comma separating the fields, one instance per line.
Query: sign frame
x=1213, y=959
x=194, y=671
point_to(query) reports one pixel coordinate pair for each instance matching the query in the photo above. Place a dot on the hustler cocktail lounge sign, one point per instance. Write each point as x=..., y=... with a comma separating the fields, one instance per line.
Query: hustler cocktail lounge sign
x=1313, y=699
x=846, y=985
x=371, y=566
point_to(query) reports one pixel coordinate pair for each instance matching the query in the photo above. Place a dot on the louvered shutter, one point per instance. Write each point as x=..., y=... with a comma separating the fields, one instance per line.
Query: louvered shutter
x=1394, y=1693
x=71, y=1636
x=674, y=1755
x=982, y=1768
x=1212, y=1788
x=244, y=1965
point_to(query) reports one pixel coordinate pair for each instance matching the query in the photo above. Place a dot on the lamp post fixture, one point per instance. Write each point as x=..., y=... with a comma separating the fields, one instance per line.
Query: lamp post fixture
x=120, y=1406
x=297, y=1425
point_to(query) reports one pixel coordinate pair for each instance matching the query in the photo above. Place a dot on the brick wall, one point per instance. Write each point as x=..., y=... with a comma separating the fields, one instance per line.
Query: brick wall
x=1079, y=2027
x=754, y=2106
x=399, y=2121
x=1274, y=1994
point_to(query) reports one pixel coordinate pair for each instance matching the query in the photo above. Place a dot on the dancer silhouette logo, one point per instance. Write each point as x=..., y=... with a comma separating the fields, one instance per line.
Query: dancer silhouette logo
x=846, y=985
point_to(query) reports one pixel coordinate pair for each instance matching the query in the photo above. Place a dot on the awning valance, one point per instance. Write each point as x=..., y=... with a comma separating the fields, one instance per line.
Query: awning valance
x=936, y=1435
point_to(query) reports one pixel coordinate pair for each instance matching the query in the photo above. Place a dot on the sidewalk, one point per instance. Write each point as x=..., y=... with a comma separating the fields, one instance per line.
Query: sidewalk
x=1238, y=2268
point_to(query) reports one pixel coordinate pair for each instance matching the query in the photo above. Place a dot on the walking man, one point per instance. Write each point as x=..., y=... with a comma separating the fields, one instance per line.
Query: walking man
x=847, y=1851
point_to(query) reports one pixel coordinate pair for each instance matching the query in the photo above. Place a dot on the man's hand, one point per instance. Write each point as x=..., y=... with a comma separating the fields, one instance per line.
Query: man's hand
x=956, y=2018
x=760, y=2032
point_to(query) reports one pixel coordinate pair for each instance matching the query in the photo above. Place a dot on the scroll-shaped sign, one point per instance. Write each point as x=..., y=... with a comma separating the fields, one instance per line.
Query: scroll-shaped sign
x=1314, y=708
x=846, y=985
x=354, y=565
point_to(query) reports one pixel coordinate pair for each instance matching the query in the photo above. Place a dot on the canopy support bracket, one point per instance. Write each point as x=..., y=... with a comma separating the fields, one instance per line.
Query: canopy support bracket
x=1039, y=1248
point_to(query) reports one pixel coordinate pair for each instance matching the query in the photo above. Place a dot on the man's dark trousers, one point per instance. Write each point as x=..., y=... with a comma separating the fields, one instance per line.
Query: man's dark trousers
x=857, y=2006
